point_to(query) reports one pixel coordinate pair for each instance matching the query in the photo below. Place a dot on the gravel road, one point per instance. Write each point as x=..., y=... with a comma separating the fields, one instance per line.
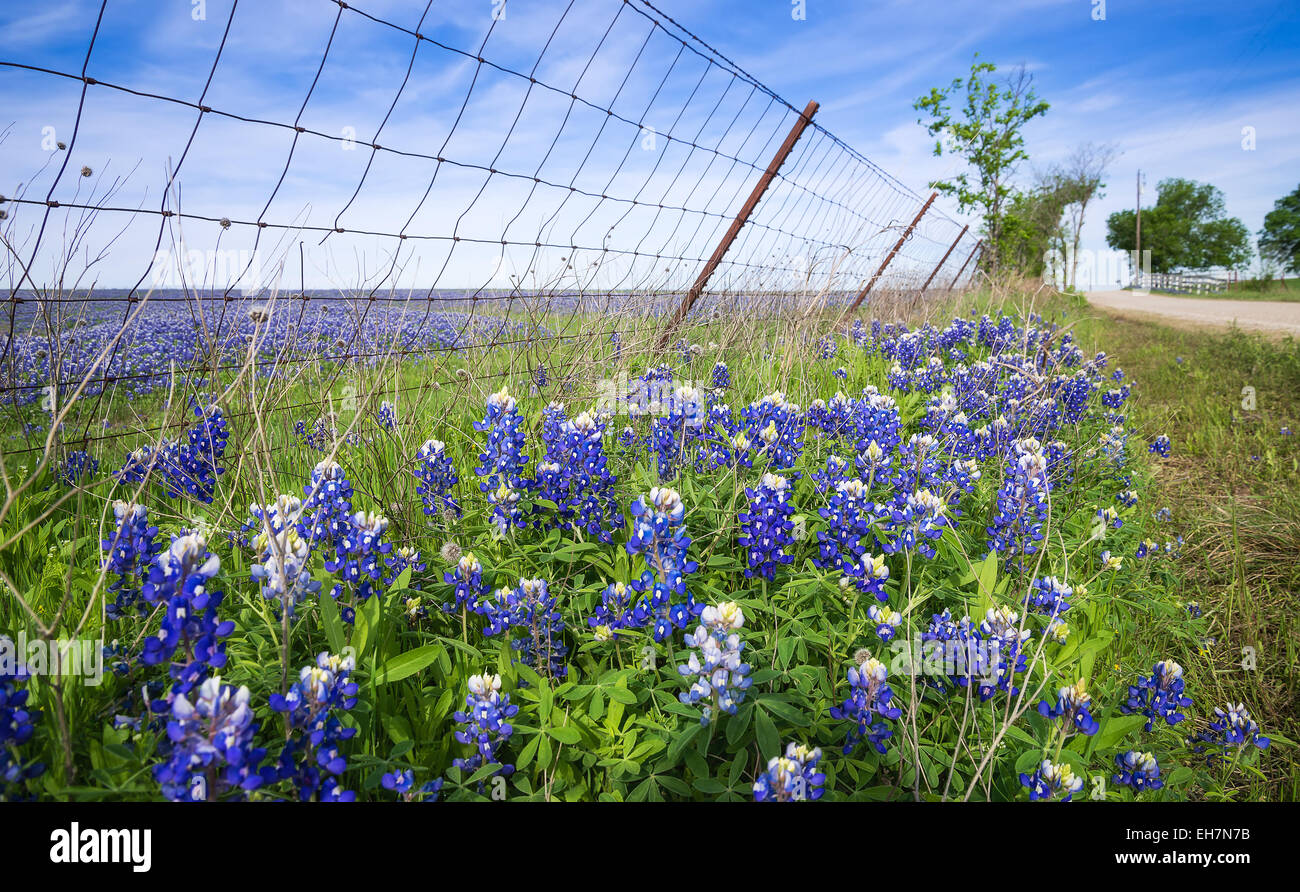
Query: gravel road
x=1280, y=317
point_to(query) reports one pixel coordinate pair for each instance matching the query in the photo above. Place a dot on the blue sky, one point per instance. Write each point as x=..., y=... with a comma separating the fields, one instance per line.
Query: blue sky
x=1171, y=84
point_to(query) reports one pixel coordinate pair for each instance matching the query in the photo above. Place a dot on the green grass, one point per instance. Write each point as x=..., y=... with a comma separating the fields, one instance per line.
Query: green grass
x=1233, y=485
x=615, y=729
x=1249, y=289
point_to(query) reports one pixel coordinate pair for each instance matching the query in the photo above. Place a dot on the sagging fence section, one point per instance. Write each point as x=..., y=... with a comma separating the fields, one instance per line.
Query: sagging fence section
x=290, y=189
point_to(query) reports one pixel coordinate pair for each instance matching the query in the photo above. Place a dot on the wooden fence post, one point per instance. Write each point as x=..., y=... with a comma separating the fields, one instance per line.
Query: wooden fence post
x=741, y=218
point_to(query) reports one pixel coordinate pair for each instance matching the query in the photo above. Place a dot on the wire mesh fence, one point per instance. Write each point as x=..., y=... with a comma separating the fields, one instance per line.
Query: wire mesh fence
x=412, y=200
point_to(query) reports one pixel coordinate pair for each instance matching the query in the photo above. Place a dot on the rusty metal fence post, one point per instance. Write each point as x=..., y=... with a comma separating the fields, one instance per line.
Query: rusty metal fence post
x=805, y=118
x=944, y=259
x=898, y=245
x=957, y=278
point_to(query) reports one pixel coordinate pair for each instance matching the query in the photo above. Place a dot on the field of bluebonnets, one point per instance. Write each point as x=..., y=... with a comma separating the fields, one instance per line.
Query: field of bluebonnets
x=879, y=562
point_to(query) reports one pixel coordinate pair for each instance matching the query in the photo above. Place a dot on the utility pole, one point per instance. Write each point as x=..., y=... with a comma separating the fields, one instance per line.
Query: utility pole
x=1137, y=254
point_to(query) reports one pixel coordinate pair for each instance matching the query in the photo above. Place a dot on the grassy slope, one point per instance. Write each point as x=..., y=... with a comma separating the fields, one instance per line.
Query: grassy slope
x=1233, y=485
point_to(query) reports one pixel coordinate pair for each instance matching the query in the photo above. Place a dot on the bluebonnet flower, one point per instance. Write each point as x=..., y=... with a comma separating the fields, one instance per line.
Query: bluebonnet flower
x=836, y=471
x=1052, y=782
x=916, y=519
x=357, y=554
x=721, y=376
x=1128, y=498
x=961, y=476
x=1160, y=696
x=138, y=466
x=836, y=419
x=766, y=527
x=841, y=373
x=1194, y=608
x=320, y=436
x=1073, y=706
x=614, y=612
x=1022, y=505
x=399, y=561
x=659, y=536
x=470, y=590
x=1109, y=517
x=399, y=782
x=505, y=507
x=210, y=749
x=386, y=416
x=128, y=554
x=486, y=725
x=791, y=778
x=1232, y=729
x=869, y=574
x=402, y=783
x=899, y=378
x=181, y=580
x=1145, y=548
x=190, y=467
x=722, y=446
x=78, y=466
x=531, y=607
x=1060, y=463
x=868, y=704
x=1138, y=770
x=719, y=678
x=886, y=620
x=1049, y=595
x=873, y=461
x=876, y=420
x=575, y=476
x=847, y=537
x=827, y=347
x=919, y=464
x=678, y=431
x=776, y=427
x=17, y=725
x=437, y=478
x=283, y=572
x=327, y=506
x=311, y=757
x=1161, y=445
x=502, y=461
x=1001, y=629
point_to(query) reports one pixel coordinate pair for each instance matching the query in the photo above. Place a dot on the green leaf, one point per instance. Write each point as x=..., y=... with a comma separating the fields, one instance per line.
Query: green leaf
x=1115, y=729
x=333, y=623
x=566, y=734
x=769, y=742
x=407, y=664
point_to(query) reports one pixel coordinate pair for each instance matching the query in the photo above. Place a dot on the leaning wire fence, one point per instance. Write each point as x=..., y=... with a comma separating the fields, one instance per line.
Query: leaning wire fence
x=521, y=192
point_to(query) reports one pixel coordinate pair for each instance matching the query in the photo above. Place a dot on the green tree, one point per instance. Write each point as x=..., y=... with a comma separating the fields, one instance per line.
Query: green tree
x=1187, y=228
x=986, y=130
x=1279, y=240
x=1031, y=226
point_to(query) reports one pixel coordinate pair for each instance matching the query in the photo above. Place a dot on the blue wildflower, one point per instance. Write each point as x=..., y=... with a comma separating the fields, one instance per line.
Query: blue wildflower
x=719, y=678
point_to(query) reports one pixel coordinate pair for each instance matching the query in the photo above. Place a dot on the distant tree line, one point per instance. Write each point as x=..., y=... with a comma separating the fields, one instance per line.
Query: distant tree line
x=980, y=120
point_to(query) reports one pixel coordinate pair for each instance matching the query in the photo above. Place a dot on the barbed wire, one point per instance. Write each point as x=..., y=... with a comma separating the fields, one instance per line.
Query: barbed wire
x=600, y=213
